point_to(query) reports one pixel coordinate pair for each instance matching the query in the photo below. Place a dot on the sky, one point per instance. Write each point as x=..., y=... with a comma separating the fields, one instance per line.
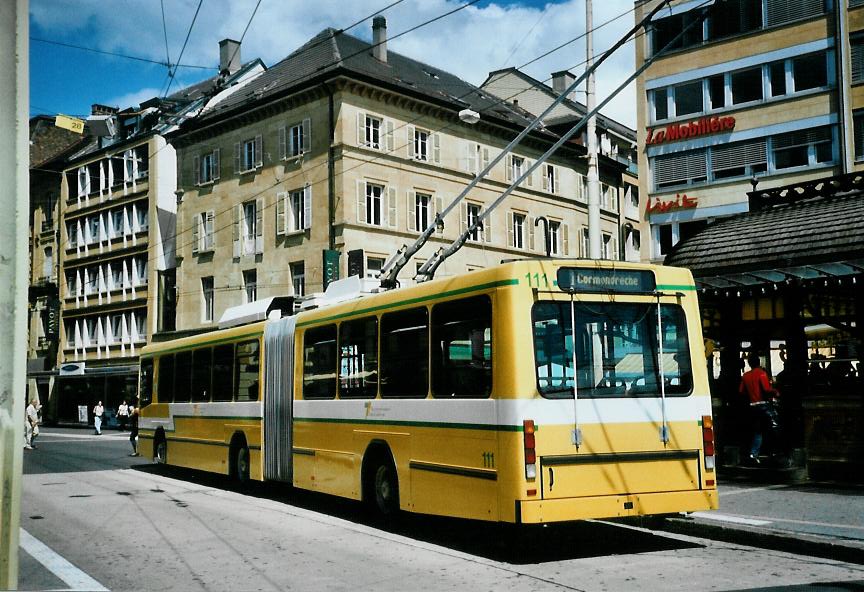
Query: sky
x=486, y=36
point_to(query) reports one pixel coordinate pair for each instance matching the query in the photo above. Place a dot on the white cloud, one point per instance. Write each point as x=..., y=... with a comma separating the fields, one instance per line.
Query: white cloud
x=469, y=43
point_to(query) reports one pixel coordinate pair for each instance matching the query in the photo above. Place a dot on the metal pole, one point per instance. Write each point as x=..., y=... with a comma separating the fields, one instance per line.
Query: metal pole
x=14, y=161
x=594, y=250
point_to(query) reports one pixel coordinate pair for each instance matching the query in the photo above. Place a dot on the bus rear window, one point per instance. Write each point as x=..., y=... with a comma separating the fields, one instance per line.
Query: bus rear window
x=616, y=350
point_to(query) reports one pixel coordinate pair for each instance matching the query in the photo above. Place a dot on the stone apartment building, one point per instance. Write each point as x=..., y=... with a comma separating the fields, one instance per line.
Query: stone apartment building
x=116, y=255
x=328, y=162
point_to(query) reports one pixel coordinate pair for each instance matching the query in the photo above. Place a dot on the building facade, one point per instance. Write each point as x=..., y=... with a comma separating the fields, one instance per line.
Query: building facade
x=622, y=212
x=758, y=93
x=339, y=155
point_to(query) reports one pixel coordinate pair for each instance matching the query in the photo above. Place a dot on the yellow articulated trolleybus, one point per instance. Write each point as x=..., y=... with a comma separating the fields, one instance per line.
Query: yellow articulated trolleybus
x=458, y=396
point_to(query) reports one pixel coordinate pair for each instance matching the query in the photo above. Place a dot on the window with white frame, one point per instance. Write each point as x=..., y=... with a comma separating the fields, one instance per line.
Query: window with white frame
x=94, y=225
x=206, y=167
x=72, y=234
x=294, y=210
x=48, y=262
x=207, y=299
x=248, y=155
x=753, y=84
x=298, y=278
x=203, y=239
x=372, y=131
x=117, y=276
x=585, y=244
x=802, y=148
x=550, y=178
x=555, y=238
x=517, y=167
x=420, y=216
x=609, y=246
x=94, y=177
x=250, y=285
x=476, y=157
x=423, y=145
x=608, y=197
x=142, y=217
x=516, y=232
x=295, y=140
x=472, y=211
x=374, y=199
x=248, y=228
x=739, y=159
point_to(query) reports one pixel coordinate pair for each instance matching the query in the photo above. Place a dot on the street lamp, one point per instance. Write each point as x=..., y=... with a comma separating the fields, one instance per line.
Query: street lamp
x=547, y=242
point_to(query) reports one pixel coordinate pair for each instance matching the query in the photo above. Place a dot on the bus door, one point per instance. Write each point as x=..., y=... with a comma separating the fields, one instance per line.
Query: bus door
x=278, y=398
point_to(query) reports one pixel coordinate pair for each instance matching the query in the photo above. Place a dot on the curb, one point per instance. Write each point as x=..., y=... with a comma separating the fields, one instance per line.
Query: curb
x=752, y=537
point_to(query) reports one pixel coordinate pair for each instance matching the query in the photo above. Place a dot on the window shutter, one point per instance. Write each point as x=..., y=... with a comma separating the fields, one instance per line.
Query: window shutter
x=389, y=139
x=307, y=207
x=281, y=205
x=485, y=158
x=530, y=178
x=508, y=175
x=259, y=225
x=463, y=217
x=196, y=169
x=259, y=151
x=135, y=226
x=739, y=154
x=565, y=238
x=307, y=136
x=134, y=272
x=856, y=49
x=126, y=281
x=436, y=148
x=238, y=165
x=411, y=131
x=679, y=168
x=283, y=143
x=196, y=234
x=209, y=236
x=79, y=286
x=470, y=158
x=103, y=227
x=361, y=129
x=217, y=166
x=858, y=125
x=361, y=201
x=487, y=227
x=238, y=220
x=439, y=207
x=411, y=210
x=109, y=170
x=544, y=178
x=784, y=11
x=530, y=221
x=511, y=235
x=392, y=221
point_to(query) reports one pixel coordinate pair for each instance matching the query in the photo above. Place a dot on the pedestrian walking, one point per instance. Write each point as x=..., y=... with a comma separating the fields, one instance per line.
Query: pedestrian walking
x=31, y=424
x=98, y=411
x=123, y=415
x=133, y=430
x=756, y=386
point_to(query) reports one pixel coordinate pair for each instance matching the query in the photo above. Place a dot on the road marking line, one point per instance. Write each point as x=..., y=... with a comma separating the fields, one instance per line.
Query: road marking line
x=727, y=518
x=71, y=575
x=726, y=493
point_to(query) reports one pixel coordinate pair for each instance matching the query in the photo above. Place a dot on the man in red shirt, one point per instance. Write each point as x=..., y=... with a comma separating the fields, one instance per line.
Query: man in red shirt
x=756, y=386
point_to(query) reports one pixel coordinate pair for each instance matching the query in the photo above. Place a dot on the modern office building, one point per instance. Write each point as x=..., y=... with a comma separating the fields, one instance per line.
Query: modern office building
x=759, y=93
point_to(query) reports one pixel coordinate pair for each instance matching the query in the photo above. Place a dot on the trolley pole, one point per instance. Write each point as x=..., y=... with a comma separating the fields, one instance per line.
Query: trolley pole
x=594, y=250
x=14, y=203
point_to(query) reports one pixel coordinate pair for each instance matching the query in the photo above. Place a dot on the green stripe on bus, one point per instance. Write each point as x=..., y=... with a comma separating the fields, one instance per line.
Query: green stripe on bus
x=235, y=338
x=415, y=424
x=418, y=300
x=686, y=287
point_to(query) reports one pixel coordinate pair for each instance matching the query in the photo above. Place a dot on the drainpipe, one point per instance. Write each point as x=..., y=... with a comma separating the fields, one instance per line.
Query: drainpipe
x=844, y=78
x=331, y=168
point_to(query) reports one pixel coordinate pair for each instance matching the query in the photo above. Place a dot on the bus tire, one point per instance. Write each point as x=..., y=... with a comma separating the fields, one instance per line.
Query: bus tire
x=160, y=448
x=240, y=461
x=385, y=489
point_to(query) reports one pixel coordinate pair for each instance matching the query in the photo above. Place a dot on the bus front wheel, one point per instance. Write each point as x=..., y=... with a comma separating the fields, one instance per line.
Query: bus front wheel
x=386, y=488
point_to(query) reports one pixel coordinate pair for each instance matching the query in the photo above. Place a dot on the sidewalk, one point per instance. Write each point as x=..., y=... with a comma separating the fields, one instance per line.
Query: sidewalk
x=811, y=518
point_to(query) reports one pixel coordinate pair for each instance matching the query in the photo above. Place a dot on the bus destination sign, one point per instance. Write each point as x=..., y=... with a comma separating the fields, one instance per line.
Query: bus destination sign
x=575, y=279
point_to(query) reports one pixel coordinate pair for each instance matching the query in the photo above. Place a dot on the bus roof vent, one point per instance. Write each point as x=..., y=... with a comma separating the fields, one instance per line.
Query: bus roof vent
x=340, y=291
x=274, y=307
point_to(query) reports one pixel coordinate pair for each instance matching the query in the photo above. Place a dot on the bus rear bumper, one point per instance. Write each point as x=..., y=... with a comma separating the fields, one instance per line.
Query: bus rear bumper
x=614, y=506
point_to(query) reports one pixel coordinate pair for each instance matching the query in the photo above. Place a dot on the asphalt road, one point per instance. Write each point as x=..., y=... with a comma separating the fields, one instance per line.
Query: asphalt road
x=122, y=523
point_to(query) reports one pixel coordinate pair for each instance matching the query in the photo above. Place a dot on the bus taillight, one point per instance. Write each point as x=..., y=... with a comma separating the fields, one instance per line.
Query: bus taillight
x=708, y=441
x=530, y=453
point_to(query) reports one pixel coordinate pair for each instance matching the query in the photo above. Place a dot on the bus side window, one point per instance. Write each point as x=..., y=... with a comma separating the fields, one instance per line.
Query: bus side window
x=247, y=371
x=319, y=363
x=358, y=358
x=145, y=382
x=405, y=354
x=223, y=372
x=201, y=365
x=165, y=386
x=183, y=377
x=462, y=348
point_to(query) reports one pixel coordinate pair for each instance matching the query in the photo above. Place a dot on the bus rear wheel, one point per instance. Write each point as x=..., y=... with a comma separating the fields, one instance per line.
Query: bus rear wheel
x=386, y=489
x=160, y=450
x=241, y=464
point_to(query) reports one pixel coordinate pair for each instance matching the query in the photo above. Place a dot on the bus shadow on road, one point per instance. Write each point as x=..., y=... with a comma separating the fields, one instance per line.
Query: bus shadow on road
x=499, y=542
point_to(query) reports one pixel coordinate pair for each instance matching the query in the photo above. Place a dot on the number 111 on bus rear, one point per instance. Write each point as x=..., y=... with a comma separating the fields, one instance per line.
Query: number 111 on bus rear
x=530, y=392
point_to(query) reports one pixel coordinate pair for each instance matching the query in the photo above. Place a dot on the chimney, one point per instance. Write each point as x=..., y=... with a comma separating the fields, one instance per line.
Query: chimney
x=561, y=81
x=379, y=38
x=229, y=56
